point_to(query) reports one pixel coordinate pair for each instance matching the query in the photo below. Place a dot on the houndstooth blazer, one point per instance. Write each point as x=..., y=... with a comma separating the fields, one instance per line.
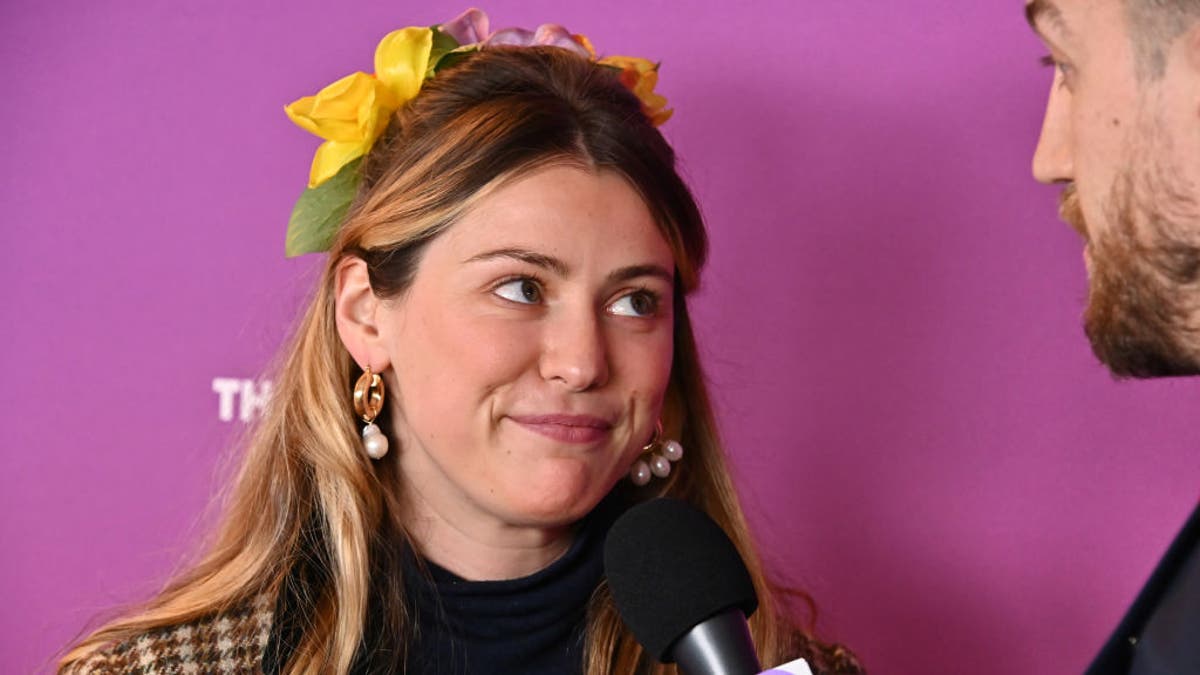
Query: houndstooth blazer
x=230, y=643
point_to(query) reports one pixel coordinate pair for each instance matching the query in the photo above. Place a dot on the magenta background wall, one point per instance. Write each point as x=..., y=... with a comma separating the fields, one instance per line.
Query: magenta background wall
x=890, y=319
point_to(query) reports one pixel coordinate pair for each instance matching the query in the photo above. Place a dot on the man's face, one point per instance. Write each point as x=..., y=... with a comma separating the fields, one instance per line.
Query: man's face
x=1126, y=144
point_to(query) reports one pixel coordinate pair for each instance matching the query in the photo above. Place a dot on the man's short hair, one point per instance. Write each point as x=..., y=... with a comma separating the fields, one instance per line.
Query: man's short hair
x=1154, y=25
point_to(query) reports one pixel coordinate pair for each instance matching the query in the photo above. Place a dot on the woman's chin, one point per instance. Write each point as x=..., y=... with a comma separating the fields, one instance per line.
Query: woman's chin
x=558, y=498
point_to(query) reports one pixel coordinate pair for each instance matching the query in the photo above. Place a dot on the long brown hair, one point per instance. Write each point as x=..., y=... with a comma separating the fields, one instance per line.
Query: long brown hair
x=310, y=517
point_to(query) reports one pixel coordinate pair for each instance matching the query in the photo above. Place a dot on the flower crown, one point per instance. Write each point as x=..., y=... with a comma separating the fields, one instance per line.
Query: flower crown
x=353, y=112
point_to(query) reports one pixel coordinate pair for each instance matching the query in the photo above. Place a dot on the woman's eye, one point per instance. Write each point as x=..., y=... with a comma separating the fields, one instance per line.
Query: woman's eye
x=524, y=291
x=640, y=303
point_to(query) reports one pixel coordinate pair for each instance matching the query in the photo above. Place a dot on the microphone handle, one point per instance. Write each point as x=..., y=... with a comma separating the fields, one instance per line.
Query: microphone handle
x=719, y=645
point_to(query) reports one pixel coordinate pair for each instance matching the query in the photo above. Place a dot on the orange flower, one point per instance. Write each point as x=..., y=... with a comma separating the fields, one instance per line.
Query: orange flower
x=641, y=76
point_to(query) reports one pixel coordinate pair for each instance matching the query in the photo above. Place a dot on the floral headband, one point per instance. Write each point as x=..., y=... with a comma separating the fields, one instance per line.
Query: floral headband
x=353, y=112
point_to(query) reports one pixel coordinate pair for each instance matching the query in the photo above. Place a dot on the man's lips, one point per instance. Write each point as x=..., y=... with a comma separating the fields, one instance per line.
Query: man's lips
x=1071, y=211
x=566, y=428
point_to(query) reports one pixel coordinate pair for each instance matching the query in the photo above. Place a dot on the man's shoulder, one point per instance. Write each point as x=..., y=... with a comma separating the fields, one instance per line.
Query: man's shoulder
x=1171, y=585
x=230, y=642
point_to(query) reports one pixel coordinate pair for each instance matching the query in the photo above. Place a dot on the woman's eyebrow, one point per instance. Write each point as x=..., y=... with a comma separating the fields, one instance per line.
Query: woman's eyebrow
x=562, y=269
x=524, y=255
x=635, y=271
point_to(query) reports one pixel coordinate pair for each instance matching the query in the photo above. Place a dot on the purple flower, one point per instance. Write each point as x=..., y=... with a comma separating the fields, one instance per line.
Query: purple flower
x=547, y=34
x=468, y=28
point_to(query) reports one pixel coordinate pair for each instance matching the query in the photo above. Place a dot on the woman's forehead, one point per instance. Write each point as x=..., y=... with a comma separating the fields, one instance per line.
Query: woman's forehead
x=562, y=211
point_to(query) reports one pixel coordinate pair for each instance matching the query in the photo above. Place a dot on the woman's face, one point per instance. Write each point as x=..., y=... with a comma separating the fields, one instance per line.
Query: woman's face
x=531, y=353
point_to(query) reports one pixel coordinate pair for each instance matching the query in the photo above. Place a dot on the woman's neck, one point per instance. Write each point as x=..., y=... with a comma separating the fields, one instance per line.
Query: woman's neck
x=479, y=548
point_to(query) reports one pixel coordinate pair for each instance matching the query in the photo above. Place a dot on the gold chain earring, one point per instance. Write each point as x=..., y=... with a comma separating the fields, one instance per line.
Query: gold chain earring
x=368, y=402
x=656, y=458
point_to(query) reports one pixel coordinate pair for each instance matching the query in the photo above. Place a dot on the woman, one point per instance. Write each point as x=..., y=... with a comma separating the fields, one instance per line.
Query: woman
x=497, y=361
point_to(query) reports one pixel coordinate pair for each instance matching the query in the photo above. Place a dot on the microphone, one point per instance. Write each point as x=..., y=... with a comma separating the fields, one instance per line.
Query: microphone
x=797, y=667
x=681, y=587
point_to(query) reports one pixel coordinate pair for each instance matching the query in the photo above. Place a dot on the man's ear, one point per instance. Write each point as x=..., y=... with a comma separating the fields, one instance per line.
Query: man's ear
x=357, y=310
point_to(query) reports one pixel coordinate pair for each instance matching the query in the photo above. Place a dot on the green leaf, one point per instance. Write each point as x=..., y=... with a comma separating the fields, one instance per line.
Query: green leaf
x=454, y=56
x=319, y=212
x=442, y=45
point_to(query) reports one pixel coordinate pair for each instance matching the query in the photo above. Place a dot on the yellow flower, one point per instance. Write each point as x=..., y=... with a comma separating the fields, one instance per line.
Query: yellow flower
x=641, y=76
x=401, y=60
x=351, y=113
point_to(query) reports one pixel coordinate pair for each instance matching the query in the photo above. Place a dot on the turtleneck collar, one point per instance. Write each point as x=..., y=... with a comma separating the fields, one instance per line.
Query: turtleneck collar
x=533, y=624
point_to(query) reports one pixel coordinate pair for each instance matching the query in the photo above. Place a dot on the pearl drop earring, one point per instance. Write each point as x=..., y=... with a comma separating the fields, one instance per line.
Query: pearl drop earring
x=368, y=402
x=655, y=463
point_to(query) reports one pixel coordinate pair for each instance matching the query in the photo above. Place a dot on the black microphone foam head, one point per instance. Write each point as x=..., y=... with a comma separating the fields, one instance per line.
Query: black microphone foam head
x=669, y=567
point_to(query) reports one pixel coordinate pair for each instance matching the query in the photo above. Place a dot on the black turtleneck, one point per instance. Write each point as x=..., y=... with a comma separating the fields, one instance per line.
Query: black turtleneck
x=534, y=624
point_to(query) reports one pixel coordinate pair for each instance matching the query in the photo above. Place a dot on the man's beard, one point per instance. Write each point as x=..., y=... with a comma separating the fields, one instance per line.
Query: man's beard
x=1144, y=296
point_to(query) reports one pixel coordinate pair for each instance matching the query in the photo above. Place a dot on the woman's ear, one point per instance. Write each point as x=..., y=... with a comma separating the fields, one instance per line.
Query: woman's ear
x=357, y=310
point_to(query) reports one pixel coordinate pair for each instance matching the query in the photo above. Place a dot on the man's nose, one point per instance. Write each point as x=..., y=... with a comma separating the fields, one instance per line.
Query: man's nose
x=1053, y=160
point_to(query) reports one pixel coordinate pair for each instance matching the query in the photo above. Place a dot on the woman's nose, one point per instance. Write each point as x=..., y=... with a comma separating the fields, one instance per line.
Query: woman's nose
x=574, y=351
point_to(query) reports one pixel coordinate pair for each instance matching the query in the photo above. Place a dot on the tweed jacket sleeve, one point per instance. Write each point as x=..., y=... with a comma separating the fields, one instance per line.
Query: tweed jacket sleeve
x=229, y=643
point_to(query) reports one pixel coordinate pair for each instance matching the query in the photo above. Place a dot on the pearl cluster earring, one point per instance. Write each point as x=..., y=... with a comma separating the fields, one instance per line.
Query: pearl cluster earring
x=368, y=402
x=656, y=459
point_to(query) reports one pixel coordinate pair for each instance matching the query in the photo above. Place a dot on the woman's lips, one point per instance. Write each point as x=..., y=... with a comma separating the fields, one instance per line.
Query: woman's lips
x=566, y=428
